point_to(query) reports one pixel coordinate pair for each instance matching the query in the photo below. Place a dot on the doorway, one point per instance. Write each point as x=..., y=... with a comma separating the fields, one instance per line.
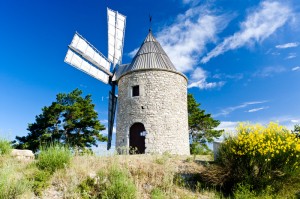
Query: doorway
x=137, y=134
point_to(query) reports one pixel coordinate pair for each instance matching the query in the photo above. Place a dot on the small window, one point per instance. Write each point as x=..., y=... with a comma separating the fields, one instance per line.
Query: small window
x=135, y=91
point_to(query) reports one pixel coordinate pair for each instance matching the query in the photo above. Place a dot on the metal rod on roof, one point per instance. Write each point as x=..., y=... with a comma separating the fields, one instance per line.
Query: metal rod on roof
x=150, y=19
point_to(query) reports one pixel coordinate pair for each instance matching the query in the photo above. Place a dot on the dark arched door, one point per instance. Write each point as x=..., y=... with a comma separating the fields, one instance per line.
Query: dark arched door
x=137, y=135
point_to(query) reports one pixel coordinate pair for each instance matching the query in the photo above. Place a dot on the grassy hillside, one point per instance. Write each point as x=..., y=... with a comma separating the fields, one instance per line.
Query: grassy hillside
x=151, y=176
x=123, y=176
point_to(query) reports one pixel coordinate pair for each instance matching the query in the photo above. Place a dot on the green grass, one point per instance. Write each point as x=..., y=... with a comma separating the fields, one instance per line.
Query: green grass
x=5, y=147
x=54, y=157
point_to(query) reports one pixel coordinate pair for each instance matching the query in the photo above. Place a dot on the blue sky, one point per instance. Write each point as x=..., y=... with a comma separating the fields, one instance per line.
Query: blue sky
x=241, y=56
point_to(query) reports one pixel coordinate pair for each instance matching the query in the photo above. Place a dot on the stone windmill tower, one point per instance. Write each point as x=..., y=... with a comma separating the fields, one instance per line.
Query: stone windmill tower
x=152, y=103
x=152, y=99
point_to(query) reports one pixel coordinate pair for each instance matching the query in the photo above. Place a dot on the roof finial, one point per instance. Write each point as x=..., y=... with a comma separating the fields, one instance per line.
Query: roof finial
x=150, y=19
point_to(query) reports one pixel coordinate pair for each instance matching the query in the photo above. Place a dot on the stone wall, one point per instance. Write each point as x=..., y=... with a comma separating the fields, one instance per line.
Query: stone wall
x=161, y=107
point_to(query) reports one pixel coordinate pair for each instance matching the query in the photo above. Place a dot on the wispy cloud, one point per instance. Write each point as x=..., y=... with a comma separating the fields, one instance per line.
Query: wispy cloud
x=184, y=40
x=227, y=125
x=269, y=71
x=291, y=56
x=288, y=45
x=229, y=110
x=296, y=68
x=199, y=79
x=192, y=2
x=256, y=109
x=236, y=76
x=259, y=25
x=133, y=53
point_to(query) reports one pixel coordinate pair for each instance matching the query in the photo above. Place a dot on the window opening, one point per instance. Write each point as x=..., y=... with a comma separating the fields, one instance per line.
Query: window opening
x=135, y=91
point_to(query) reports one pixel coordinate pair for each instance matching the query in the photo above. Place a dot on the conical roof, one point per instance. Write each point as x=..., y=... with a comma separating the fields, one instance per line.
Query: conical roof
x=150, y=56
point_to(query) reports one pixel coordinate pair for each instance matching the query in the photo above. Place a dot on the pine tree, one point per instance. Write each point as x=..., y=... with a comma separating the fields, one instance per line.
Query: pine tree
x=201, y=125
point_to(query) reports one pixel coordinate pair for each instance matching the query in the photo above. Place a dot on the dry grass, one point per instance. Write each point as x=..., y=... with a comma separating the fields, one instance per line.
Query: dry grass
x=147, y=171
x=13, y=183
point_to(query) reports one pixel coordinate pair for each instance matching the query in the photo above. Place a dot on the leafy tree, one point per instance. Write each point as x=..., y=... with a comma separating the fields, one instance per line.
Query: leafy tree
x=297, y=130
x=201, y=125
x=71, y=120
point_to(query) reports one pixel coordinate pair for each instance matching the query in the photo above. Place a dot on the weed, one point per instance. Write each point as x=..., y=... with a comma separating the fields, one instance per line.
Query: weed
x=53, y=157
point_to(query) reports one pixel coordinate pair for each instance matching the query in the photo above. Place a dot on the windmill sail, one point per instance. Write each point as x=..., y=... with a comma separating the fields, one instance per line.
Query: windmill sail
x=90, y=53
x=116, y=32
x=78, y=62
x=85, y=57
x=111, y=115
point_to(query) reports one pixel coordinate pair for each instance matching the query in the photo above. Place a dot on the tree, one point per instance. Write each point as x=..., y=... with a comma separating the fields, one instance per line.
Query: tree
x=297, y=130
x=70, y=120
x=201, y=125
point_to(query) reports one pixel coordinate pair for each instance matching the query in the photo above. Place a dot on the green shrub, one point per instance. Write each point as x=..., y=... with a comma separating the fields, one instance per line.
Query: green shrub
x=53, y=157
x=111, y=183
x=12, y=185
x=260, y=156
x=40, y=181
x=157, y=193
x=5, y=147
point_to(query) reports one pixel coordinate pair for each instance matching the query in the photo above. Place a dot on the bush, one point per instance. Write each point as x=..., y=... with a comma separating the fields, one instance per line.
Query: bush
x=260, y=156
x=5, y=147
x=53, y=157
x=111, y=183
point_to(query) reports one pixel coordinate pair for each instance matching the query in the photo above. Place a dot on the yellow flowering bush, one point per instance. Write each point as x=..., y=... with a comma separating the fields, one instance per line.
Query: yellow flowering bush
x=260, y=154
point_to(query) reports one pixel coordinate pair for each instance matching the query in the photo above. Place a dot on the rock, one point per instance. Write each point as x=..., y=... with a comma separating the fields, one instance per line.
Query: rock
x=19, y=154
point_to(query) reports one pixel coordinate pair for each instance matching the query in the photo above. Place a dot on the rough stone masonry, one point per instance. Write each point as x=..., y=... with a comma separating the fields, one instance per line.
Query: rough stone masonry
x=161, y=107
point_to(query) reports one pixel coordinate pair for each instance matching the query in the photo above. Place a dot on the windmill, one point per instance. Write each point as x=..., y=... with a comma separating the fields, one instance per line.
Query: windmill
x=84, y=56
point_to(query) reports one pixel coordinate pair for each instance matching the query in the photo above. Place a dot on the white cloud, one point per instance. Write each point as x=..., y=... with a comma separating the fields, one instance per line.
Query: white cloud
x=199, y=79
x=258, y=26
x=184, y=40
x=288, y=45
x=256, y=109
x=296, y=68
x=269, y=71
x=291, y=56
x=295, y=121
x=228, y=110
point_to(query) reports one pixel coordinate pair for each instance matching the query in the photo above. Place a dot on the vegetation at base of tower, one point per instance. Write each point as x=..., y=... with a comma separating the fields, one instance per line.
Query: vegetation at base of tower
x=71, y=120
x=201, y=127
